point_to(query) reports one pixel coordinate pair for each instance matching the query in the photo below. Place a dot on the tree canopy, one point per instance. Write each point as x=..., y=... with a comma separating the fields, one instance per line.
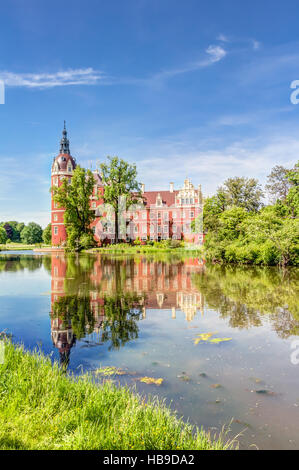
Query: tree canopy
x=32, y=233
x=47, y=235
x=278, y=184
x=74, y=196
x=241, y=192
x=121, y=185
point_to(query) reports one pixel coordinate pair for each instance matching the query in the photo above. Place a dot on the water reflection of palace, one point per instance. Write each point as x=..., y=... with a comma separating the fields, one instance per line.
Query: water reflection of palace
x=107, y=296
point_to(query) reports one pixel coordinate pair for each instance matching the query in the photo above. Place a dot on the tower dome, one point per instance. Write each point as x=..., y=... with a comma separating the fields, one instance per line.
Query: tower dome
x=64, y=162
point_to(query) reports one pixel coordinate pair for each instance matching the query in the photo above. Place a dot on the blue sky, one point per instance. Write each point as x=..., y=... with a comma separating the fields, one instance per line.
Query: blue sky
x=183, y=88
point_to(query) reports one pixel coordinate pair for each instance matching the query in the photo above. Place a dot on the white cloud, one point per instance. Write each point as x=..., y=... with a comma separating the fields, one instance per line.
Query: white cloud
x=213, y=167
x=87, y=76
x=256, y=44
x=173, y=161
x=216, y=53
x=222, y=38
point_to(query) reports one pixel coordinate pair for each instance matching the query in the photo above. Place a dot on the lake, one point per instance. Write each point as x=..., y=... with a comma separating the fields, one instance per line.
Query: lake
x=223, y=339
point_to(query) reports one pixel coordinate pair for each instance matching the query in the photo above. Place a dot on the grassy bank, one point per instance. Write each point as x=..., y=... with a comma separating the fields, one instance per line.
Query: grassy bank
x=20, y=246
x=167, y=246
x=41, y=408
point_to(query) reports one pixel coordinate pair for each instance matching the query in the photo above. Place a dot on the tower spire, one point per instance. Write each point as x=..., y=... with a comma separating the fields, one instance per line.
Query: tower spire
x=64, y=143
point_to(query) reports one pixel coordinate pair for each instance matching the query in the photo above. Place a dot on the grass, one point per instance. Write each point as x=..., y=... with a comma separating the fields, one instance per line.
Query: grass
x=157, y=247
x=43, y=408
x=19, y=246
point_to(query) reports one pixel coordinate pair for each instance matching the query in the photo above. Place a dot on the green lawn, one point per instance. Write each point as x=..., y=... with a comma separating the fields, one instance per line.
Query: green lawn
x=42, y=408
x=20, y=246
x=158, y=247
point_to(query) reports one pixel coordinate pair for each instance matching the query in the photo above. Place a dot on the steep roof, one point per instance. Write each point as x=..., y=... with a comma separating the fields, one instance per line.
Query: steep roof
x=167, y=197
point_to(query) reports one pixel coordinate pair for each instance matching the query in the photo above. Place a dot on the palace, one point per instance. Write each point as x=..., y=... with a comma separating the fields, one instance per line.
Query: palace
x=162, y=214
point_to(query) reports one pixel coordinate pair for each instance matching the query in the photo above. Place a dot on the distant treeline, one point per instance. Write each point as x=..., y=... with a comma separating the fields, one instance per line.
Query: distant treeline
x=240, y=228
x=18, y=232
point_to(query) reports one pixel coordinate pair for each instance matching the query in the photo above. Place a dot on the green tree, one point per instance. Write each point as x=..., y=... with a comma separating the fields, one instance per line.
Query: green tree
x=278, y=183
x=121, y=184
x=229, y=223
x=74, y=196
x=47, y=235
x=16, y=236
x=242, y=192
x=212, y=209
x=286, y=242
x=293, y=194
x=32, y=233
x=19, y=228
x=3, y=236
x=9, y=230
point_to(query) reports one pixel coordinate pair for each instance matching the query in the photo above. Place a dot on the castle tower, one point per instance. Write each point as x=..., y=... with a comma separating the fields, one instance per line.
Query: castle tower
x=62, y=167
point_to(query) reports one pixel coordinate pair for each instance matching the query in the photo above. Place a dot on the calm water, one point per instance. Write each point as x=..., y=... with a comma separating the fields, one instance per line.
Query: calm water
x=143, y=316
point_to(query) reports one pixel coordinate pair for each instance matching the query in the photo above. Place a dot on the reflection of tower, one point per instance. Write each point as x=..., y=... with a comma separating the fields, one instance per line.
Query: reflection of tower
x=189, y=302
x=61, y=326
x=63, y=339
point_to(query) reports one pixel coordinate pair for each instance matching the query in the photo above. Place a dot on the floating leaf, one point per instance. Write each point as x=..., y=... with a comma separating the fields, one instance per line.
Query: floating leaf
x=216, y=386
x=265, y=392
x=184, y=378
x=207, y=337
x=151, y=380
x=203, y=337
x=110, y=371
x=219, y=340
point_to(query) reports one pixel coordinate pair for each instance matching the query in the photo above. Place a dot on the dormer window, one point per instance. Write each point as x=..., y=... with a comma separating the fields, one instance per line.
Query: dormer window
x=69, y=169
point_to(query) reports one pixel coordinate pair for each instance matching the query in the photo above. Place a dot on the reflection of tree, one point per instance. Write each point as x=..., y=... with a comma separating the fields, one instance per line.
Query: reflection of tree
x=75, y=311
x=47, y=262
x=78, y=275
x=14, y=263
x=121, y=313
x=244, y=295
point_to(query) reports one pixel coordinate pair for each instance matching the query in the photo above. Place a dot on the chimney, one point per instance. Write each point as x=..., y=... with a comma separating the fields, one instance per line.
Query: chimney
x=142, y=188
x=171, y=187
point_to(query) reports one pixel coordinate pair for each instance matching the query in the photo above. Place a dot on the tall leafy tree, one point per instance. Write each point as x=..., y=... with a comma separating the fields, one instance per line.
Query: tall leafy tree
x=242, y=192
x=47, y=235
x=278, y=183
x=32, y=233
x=19, y=228
x=15, y=233
x=3, y=235
x=9, y=230
x=212, y=209
x=120, y=179
x=74, y=196
x=293, y=194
